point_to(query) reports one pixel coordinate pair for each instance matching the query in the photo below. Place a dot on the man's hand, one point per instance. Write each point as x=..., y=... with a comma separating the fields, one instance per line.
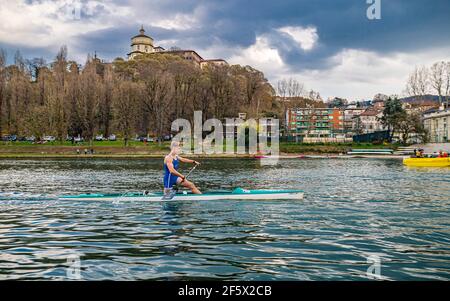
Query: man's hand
x=196, y=163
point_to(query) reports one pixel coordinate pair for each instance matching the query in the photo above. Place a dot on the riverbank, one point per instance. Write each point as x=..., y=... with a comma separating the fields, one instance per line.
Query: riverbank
x=115, y=149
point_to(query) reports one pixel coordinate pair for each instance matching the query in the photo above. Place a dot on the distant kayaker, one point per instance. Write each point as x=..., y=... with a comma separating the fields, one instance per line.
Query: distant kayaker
x=442, y=154
x=421, y=153
x=171, y=174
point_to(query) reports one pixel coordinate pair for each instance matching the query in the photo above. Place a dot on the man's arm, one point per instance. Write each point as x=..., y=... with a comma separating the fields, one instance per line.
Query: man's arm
x=185, y=160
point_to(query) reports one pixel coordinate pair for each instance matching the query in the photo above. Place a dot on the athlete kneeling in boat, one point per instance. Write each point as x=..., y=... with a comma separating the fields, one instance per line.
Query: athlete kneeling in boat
x=171, y=175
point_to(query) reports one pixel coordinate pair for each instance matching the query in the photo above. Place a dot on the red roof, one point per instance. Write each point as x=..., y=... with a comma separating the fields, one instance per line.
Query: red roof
x=370, y=112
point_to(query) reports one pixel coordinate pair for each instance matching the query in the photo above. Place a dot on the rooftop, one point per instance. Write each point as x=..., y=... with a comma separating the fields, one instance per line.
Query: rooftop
x=142, y=34
x=371, y=112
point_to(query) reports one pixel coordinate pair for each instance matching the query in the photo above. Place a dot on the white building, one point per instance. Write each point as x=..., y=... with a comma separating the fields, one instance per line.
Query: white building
x=142, y=44
x=350, y=113
x=369, y=121
x=438, y=125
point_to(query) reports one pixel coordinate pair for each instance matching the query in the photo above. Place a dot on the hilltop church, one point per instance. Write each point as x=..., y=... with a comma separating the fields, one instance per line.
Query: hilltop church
x=142, y=44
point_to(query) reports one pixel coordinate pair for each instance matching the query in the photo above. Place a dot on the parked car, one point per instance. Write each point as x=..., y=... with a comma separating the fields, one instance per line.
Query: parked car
x=99, y=138
x=112, y=137
x=78, y=139
x=30, y=139
x=9, y=138
x=141, y=139
x=167, y=138
x=49, y=138
x=150, y=139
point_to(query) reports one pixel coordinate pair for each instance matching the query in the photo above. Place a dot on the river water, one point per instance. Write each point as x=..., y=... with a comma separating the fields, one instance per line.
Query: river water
x=358, y=215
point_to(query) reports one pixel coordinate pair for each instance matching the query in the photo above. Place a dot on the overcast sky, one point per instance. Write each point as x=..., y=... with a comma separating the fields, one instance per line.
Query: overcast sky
x=329, y=45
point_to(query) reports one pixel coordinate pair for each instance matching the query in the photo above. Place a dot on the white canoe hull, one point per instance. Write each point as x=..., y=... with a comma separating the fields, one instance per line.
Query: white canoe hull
x=156, y=197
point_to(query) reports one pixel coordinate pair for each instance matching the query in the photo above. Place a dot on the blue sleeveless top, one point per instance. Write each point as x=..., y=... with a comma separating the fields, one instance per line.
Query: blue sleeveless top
x=170, y=179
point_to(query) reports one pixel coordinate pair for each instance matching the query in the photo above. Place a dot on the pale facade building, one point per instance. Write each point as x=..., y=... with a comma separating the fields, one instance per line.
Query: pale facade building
x=369, y=121
x=438, y=125
x=350, y=113
x=141, y=44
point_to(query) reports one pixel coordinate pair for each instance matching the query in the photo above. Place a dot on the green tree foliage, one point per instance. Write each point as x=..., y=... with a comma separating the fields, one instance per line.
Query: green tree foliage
x=393, y=113
x=398, y=120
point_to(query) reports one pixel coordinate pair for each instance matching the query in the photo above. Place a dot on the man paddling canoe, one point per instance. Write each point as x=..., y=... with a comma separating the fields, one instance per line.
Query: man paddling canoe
x=171, y=175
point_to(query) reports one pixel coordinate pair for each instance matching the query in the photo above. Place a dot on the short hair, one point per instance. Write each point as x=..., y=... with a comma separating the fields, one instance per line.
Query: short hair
x=174, y=144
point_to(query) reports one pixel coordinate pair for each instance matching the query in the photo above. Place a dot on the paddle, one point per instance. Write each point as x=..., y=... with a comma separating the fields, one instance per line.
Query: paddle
x=189, y=173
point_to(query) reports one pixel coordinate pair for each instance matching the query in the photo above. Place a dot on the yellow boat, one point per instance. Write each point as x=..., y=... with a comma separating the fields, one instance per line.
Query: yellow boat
x=427, y=162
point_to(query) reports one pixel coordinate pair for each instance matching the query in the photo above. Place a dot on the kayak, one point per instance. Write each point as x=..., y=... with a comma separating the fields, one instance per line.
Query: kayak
x=427, y=162
x=236, y=194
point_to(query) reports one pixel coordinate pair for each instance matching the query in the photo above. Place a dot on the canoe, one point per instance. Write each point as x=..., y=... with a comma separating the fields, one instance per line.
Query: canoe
x=427, y=162
x=236, y=194
x=260, y=157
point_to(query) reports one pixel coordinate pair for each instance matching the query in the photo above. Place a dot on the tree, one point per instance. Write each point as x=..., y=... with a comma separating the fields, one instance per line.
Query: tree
x=89, y=101
x=295, y=88
x=186, y=78
x=392, y=115
x=158, y=90
x=447, y=83
x=125, y=106
x=75, y=126
x=315, y=96
x=56, y=98
x=34, y=66
x=2, y=85
x=409, y=124
x=106, y=86
x=36, y=121
x=418, y=82
x=337, y=102
x=437, y=79
x=380, y=97
x=282, y=89
x=257, y=93
x=18, y=96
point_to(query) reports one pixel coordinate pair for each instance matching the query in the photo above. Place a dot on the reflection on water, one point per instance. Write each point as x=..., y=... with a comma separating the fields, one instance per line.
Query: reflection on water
x=352, y=209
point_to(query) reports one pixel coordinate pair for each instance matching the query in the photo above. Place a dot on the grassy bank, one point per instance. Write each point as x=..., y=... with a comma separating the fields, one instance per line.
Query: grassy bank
x=66, y=149
x=116, y=149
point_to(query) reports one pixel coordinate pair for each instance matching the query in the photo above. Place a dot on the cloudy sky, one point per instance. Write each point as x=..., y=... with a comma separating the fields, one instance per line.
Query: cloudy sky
x=329, y=45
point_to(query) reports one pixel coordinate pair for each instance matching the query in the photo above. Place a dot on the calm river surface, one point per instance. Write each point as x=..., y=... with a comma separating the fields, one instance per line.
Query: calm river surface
x=353, y=209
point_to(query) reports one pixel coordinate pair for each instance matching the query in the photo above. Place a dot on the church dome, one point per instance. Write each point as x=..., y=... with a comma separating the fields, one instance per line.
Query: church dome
x=142, y=38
